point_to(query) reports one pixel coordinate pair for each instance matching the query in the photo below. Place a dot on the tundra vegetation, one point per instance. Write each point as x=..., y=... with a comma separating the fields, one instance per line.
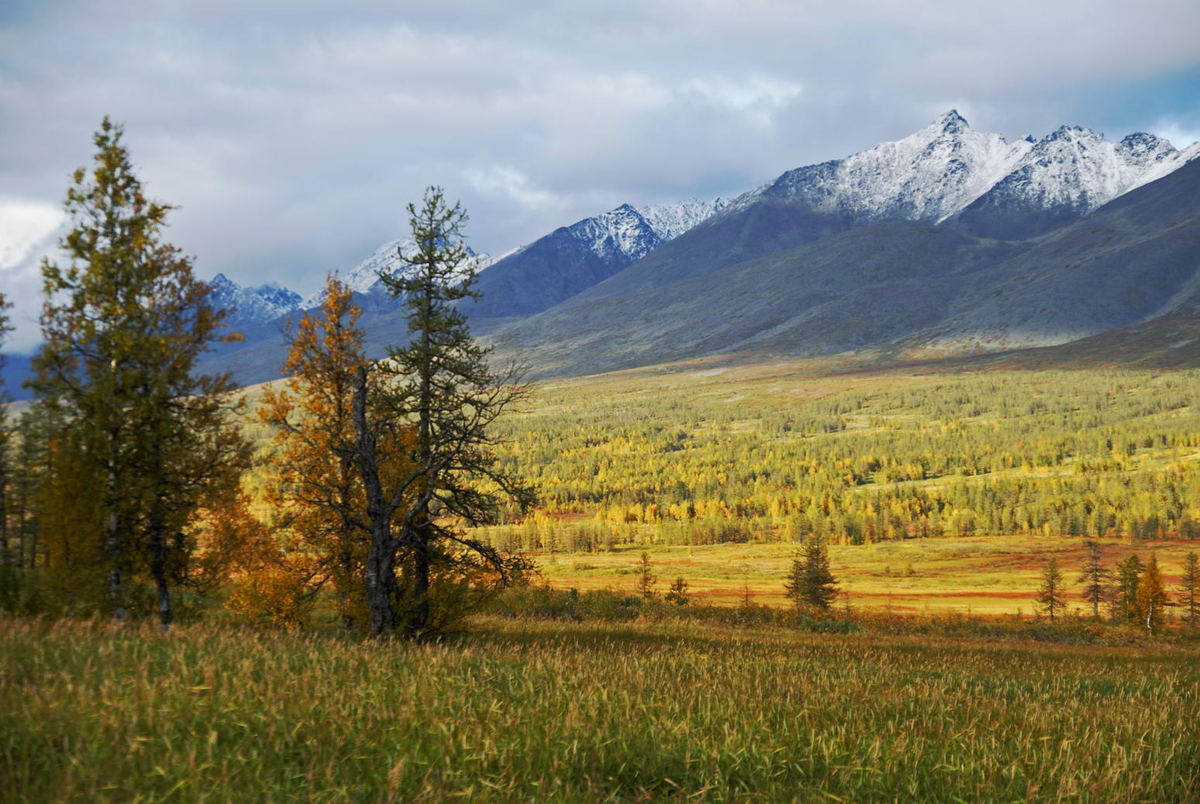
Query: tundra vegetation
x=364, y=582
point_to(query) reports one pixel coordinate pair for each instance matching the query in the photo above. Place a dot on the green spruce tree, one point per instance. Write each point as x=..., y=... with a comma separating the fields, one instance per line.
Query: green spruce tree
x=125, y=322
x=1093, y=576
x=1189, y=587
x=1050, y=593
x=810, y=582
x=441, y=385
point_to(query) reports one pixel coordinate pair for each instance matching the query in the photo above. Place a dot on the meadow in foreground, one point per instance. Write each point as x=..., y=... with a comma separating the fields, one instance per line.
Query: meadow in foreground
x=528, y=710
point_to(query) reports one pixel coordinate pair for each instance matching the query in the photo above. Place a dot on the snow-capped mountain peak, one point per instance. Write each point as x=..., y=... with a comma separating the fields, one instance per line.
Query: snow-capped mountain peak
x=252, y=305
x=946, y=168
x=673, y=219
x=364, y=277
x=927, y=175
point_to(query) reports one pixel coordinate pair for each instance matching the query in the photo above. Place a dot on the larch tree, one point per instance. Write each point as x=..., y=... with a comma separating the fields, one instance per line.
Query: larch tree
x=317, y=493
x=1094, y=577
x=125, y=322
x=1125, y=605
x=1050, y=593
x=1152, y=597
x=1189, y=587
x=439, y=387
x=678, y=593
x=810, y=582
x=7, y=560
x=646, y=577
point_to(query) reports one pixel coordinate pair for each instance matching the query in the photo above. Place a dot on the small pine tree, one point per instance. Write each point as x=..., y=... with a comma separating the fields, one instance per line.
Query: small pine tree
x=1189, y=588
x=810, y=582
x=1093, y=576
x=646, y=577
x=1151, y=597
x=678, y=593
x=1125, y=594
x=1050, y=593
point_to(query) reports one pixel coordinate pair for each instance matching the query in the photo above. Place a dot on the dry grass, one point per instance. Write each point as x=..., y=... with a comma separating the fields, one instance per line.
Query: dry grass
x=987, y=575
x=553, y=711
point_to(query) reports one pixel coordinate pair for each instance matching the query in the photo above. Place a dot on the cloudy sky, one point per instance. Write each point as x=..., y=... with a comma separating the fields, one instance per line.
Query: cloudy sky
x=291, y=134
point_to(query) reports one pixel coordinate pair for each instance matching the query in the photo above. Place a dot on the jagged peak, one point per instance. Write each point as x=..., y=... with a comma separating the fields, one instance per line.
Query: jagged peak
x=952, y=122
x=1072, y=133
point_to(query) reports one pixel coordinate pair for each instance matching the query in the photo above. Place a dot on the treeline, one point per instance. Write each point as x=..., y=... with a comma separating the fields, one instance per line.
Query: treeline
x=1072, y=453
x=123, y=487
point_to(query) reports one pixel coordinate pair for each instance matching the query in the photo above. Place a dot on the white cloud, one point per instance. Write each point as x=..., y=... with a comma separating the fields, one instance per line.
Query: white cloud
x=292, y=133
x=1180, y=136
x=23, y=226
x=515, y=185
x=757, y=96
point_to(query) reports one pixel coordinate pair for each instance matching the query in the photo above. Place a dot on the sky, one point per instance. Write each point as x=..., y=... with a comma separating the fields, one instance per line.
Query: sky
x=291, y=134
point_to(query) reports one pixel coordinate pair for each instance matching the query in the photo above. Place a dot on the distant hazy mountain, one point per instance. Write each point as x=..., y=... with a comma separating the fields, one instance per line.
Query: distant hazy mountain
x=256, y=305
x=1132, y=260
x=364, y=277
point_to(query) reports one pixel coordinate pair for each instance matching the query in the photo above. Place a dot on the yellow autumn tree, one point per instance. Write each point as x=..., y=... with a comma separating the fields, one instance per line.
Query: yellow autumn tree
x=315, y=493
x=267, y=585
x=1152, y=596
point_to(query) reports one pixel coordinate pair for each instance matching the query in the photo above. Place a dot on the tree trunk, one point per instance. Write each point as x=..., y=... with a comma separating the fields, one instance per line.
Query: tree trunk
x=5, y=557
x=158, y=567
x=381, y=557
x=344, y=595
x=380, y=572
x=418, y=617
x=113, y=546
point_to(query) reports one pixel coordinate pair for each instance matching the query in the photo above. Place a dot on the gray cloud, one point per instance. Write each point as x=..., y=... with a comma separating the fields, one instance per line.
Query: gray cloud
x=291, y=134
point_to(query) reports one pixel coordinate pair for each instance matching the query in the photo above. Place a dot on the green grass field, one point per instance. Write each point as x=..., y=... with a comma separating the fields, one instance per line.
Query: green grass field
x=525, y=711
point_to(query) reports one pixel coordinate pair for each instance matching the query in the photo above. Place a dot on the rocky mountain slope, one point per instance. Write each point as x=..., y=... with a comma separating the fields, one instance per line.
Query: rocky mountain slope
x=573, y=258
x=945, y=173
x=898, y=284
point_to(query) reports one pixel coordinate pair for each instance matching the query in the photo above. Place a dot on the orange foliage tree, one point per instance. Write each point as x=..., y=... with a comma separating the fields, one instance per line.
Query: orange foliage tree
x=316, y=495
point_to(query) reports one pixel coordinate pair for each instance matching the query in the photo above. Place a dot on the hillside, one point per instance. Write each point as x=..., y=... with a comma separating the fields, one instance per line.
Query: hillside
x=900, y=284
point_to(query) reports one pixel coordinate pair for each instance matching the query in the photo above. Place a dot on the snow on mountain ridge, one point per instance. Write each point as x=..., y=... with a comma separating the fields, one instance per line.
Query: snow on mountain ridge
x=673, y=219
x=364, y=277
x=252, y=305
x=629, y=233
x=946, y=166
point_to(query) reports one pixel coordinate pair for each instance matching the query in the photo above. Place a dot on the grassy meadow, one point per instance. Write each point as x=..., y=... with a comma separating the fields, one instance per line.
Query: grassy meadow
x=525, y=710
x=940, y=495
x=976, y=575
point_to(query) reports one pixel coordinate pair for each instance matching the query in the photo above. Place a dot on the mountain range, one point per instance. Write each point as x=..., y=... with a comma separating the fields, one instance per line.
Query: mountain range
x=948, y=239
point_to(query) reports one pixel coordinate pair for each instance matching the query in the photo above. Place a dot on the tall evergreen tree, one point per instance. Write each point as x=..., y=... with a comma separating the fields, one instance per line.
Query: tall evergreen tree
x=810, y=581
x=1125, y=606
x=125, y=322
x=441, y=387
x=1093, y=576
x=7, y=560
x=1189, y=587
x=1050, y=593
x=646, y=577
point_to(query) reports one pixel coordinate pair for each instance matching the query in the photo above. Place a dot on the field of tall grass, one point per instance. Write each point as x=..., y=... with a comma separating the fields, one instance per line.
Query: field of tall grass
x=525, y=710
